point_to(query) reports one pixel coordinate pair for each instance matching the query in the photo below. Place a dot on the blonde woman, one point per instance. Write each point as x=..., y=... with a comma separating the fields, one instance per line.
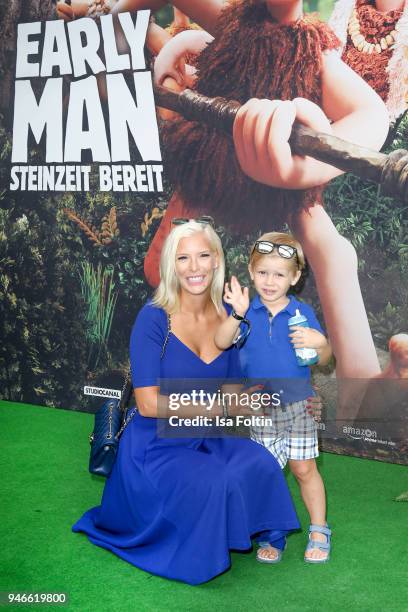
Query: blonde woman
x=175, y=505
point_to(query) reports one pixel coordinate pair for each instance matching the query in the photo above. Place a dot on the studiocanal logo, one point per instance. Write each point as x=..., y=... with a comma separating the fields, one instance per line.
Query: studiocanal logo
x=101, y=392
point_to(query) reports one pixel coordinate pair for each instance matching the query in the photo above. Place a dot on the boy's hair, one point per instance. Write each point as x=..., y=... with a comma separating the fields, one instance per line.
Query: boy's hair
x=299, y=262
x=166, y=295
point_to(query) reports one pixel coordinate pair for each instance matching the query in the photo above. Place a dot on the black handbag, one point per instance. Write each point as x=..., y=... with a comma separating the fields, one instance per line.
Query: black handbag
x=110, y=421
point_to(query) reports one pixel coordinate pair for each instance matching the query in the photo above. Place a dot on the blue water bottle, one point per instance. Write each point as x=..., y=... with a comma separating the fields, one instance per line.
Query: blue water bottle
x=304, y=356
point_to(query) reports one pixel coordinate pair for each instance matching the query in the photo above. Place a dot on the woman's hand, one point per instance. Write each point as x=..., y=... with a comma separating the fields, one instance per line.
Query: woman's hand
x=262, y=129
x=170, y=61
x=306, y=337
x=237, y=296
x=314, y=406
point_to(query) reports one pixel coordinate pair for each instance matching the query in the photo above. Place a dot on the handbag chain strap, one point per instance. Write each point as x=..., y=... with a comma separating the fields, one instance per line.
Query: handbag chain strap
x=167, y=336
x=126, y=390
x=126, y=422
x=127, y=385
x=124, y=400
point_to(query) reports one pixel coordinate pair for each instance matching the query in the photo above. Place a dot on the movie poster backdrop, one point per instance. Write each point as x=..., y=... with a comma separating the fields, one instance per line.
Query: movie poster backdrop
x=84, y=189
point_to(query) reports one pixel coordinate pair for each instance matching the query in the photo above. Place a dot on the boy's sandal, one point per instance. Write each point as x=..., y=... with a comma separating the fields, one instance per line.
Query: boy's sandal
x=323, y=546
x=277, y=559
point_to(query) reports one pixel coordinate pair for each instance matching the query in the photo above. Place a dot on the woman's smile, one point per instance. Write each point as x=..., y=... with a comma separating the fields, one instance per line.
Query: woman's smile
x=196, y=279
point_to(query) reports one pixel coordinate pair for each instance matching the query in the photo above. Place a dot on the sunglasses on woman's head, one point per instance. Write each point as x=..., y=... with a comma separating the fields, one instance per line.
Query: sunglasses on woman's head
x=206, y=219
x=264, y=247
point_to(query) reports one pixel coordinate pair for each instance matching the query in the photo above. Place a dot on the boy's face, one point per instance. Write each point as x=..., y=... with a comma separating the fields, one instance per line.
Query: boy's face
x=273, y=276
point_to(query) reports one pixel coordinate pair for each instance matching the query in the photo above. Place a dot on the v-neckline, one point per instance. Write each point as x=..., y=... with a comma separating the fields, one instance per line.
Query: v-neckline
x=207, y=363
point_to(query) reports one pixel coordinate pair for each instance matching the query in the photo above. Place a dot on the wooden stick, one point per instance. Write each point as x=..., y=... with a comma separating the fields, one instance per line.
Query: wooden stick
x=389, y=171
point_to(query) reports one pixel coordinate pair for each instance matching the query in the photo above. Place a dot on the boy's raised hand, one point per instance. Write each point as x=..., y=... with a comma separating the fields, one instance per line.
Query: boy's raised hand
x=237, y=296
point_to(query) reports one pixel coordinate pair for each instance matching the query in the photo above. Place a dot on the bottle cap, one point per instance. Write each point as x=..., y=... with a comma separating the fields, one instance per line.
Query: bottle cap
x=298, y=318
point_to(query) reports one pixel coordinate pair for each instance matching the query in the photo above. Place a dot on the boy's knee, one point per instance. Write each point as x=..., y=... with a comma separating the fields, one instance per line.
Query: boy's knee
x=303, y=469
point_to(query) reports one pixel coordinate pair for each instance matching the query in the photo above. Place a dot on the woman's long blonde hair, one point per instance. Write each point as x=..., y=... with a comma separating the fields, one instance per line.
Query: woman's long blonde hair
x=166, y=295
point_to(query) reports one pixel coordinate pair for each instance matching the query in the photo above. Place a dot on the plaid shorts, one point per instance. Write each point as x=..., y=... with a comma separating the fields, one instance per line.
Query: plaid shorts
x=289, y=432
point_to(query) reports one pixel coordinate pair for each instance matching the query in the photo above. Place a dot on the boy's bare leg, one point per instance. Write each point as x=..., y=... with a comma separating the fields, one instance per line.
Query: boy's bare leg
x=314, y=496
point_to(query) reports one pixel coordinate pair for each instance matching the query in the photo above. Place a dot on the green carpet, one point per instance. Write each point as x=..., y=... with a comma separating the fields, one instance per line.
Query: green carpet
x=46, y=487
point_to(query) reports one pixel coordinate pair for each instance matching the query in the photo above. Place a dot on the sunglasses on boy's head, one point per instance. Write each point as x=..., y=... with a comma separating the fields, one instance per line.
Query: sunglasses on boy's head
x=206, y=219
x=264, y=247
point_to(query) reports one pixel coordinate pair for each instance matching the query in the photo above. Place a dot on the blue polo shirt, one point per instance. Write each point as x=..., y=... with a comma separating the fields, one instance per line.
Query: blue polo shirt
x=269, y=355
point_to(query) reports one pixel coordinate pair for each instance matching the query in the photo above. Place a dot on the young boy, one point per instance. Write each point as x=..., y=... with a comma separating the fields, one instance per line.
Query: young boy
x=275, y=266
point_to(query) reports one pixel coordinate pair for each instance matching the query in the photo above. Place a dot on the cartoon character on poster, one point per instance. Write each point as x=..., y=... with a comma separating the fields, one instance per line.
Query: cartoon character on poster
x=207, y=176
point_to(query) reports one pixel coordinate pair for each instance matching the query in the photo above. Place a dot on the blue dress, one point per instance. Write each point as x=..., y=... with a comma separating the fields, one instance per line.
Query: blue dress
x=176, y=506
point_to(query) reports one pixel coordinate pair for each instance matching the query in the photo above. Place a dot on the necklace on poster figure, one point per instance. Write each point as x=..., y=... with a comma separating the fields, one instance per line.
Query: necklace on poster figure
x=375, y=45
x=361, y=43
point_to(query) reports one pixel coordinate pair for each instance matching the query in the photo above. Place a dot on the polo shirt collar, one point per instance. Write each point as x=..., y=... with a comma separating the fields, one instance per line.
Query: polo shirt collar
x=290, y=308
